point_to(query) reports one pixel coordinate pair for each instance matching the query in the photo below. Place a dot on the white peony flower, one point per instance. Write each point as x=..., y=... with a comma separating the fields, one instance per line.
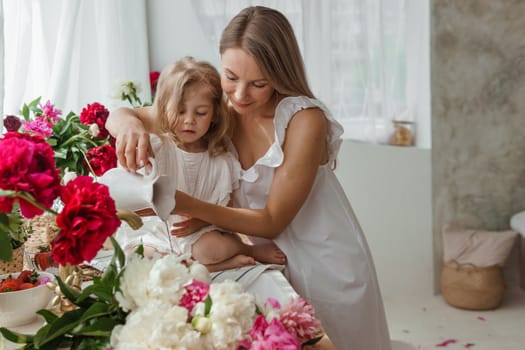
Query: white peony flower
x=232, y=314
x=156, y=326
x=200, y=272
x=133, y=283
x=167, y=279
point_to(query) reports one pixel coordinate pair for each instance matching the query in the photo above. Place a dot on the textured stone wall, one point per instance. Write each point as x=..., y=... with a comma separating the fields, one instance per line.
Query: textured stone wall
x=478, y=113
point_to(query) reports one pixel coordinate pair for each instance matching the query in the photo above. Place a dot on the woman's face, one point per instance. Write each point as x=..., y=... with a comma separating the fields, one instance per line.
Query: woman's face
x=242, y=81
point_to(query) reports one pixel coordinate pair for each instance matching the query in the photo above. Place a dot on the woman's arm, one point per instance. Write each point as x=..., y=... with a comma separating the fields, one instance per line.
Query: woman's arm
x=304, y=150
x=131, y=128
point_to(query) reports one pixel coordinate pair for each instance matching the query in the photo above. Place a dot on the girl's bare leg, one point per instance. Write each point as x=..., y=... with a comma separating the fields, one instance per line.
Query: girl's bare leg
x=231, y=263
x=215, y=247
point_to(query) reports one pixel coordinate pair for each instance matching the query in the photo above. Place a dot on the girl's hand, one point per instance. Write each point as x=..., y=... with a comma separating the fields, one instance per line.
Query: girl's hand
x=131, y=128
x=186, y=226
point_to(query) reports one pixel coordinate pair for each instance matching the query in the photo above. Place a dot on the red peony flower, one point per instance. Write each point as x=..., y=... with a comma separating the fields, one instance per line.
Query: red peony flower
x=27, y=164
x=102, y=158
x=12, y=123
x=88, y=218
x=95, y=113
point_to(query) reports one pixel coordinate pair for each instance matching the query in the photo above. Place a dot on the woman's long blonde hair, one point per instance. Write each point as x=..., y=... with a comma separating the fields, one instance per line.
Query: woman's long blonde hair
x=174, y=80
x=267, y=35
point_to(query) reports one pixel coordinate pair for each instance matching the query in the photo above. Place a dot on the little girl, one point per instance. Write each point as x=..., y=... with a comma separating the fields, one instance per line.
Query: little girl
x=190, y=143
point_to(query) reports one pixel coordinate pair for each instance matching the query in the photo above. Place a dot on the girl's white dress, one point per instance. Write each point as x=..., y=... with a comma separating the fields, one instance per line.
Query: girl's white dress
x=209, y=178
x=329, y=262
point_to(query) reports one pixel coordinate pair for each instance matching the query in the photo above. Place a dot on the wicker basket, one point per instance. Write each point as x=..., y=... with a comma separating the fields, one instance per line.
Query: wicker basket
x=471, y=287
x=16, y=264
x=43, y=229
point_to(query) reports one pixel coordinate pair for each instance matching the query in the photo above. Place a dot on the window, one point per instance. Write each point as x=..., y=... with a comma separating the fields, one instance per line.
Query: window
x=367, y=60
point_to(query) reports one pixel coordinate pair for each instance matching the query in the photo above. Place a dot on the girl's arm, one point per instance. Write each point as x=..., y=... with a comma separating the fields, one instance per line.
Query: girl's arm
x=304, y=150
x=131, y=128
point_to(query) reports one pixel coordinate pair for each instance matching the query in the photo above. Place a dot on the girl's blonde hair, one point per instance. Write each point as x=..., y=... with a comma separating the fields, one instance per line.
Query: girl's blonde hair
x=173, y=82
x=267, y=35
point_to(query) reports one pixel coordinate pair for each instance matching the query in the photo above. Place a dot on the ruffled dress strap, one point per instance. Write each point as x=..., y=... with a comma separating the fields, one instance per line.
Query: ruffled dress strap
x=289, y=106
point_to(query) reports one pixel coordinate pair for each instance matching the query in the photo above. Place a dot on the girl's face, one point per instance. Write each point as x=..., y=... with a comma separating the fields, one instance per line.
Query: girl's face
x=195, y=117
x=243, y=82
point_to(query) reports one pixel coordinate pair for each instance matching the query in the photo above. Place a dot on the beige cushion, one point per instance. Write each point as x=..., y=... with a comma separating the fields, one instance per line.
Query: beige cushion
x=477, y=247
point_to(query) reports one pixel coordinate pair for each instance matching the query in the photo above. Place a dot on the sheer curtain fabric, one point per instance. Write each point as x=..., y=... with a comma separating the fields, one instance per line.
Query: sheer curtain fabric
x=72, y=52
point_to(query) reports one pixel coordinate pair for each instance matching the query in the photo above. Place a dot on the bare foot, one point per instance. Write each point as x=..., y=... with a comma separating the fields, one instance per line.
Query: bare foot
x=232, y=263
x=268, y=253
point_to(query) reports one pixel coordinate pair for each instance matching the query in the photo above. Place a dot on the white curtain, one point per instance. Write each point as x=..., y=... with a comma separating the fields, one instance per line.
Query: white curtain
x=364, y=58
x=72, y=52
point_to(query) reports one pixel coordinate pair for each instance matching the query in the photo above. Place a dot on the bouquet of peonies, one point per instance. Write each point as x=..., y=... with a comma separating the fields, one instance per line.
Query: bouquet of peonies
x=81, y=143
x=161, y=303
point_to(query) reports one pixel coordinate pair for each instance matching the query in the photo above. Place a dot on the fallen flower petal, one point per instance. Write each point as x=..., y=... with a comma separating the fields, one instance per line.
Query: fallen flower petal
x=468, y=345
x=446, y=343
x=481, y=318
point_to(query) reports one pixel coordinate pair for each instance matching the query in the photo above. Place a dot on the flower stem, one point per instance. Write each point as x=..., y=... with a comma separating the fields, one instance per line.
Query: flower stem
x=29, y=198
x=78, y=136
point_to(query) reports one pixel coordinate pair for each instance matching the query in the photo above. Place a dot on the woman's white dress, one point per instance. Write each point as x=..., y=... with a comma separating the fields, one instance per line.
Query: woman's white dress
x=329, y=262
x=209, y=178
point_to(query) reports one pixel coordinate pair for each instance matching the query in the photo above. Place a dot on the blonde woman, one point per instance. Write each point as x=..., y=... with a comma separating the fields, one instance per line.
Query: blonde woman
x=287, y=142
x=193, y=130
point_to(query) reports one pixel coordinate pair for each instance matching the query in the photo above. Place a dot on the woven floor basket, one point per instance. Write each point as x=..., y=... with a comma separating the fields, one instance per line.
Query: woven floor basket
x=16, y=264
x=470, y=287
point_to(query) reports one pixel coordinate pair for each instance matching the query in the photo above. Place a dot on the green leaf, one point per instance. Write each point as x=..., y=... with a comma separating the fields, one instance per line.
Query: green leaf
x=47, y=315
x=25, y=112
x=207, y=305
x=72, y=294
x=60, y=327
x=100, y=327
x=102, y=291
x=16, y=337
x=33, y=104
x=118, y=253
x=96, y=310
x=6, y=252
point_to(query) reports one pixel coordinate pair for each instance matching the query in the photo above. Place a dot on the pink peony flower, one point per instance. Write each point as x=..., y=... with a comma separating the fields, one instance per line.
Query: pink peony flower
x=53, y=114
x=297, y=316
x=39, y=126
x=27, y=164
x=270, y=336
x=195, y=293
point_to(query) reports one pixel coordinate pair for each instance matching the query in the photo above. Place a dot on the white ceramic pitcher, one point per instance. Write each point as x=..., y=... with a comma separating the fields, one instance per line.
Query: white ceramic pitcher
x=135, y=191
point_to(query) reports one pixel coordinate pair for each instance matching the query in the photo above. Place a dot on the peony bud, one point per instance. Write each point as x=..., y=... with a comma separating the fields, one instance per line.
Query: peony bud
x=201, y=324
x=94, y=130
x=132, y=218
x=12, y=123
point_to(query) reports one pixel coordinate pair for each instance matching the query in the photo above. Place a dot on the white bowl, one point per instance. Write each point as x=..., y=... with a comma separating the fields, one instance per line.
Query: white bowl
x=19, y=307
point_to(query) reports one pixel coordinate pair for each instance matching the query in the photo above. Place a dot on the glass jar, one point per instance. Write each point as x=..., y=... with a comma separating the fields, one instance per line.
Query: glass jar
x=404, y=133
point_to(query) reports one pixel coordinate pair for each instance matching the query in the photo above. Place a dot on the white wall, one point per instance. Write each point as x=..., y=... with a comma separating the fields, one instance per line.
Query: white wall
x=390, y=191
x=389, y=187
x=174, y=32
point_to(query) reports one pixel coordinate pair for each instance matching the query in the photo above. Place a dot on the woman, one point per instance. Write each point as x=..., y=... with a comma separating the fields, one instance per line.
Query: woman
x=286, y=142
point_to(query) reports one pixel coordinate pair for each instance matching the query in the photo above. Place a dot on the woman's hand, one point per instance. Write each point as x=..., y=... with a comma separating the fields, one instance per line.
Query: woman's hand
x=131, y=128
x=186, y=226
